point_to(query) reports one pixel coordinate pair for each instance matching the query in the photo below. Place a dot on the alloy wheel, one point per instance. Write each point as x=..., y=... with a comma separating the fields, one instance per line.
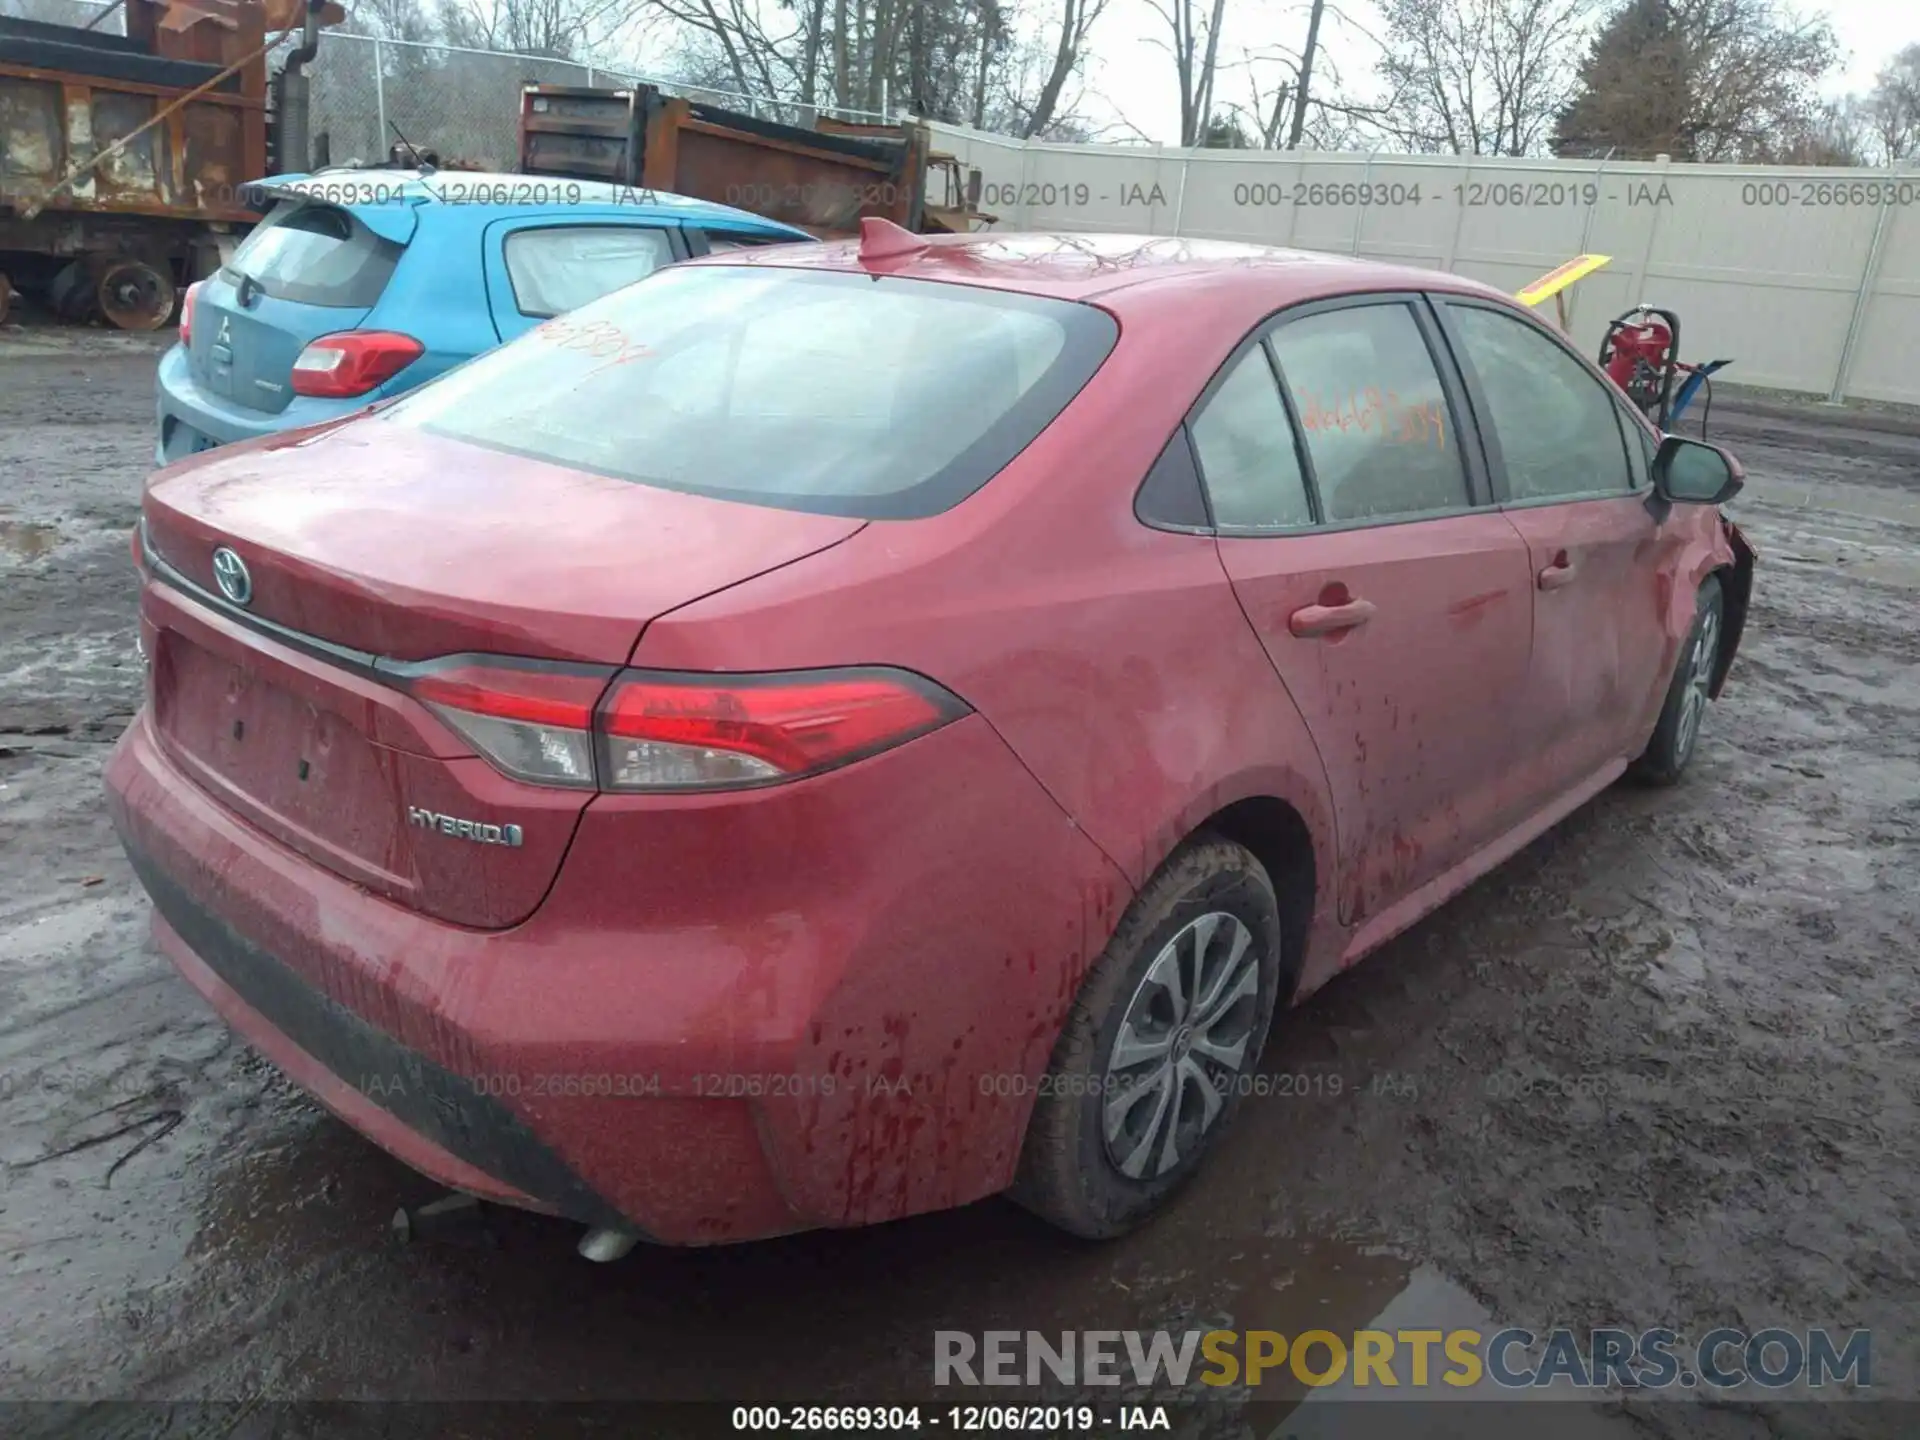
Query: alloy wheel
x=1693, y=700
x=1183, y=1042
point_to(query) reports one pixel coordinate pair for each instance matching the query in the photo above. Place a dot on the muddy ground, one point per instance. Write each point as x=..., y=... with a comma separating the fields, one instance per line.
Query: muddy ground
x=1732, y=962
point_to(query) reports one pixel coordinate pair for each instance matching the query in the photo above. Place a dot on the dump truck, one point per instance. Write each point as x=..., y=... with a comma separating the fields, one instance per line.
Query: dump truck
x=824, y=178
x=126, y=160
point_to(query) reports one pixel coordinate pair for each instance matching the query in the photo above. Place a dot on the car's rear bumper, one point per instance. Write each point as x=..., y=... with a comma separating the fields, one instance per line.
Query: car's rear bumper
x=191, y=418
x=872, y=1055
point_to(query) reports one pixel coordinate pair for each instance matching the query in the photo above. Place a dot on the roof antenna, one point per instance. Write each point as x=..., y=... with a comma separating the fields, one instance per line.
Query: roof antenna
x=881, y=239
x=422, y=161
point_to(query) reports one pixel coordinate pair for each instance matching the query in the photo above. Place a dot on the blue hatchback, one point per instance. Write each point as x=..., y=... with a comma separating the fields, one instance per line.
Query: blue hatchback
x=360, y=284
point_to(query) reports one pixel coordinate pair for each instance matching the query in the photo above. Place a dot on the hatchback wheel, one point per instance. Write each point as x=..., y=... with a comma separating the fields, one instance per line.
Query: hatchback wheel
x=1678, y=731
x=1160, y=1045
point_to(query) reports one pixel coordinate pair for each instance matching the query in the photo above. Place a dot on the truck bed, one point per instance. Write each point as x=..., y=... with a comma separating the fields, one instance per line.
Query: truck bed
x=823, y=182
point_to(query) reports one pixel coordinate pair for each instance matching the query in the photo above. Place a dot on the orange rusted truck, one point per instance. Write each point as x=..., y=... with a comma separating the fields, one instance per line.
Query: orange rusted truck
x=824, y=178
x=125, y=160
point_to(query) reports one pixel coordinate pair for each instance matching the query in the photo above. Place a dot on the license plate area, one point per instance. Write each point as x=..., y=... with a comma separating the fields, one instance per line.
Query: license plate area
x=301, y=771
x=181, y=440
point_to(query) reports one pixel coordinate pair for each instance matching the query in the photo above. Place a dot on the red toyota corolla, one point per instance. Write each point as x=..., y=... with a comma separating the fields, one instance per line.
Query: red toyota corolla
x=824, y=734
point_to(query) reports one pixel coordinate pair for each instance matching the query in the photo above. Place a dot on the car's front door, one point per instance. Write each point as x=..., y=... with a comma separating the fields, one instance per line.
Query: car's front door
x=538, y=266
x=1392, y=601
x=1559, y=453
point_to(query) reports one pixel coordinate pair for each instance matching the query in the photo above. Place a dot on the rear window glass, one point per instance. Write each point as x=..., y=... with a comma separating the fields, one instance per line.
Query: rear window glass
x=842, y=394
x=316, y=255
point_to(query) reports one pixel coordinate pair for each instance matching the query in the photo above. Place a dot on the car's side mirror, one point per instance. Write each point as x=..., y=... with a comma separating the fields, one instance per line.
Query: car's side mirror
x=1692, y=472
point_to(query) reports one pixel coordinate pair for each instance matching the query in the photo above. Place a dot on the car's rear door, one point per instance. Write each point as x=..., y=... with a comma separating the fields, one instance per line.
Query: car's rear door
x=1352, y=517
x=544, y=264
x=309, y=269
x=1568, y=471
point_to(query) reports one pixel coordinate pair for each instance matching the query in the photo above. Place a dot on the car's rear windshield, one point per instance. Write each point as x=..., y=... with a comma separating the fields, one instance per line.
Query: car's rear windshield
x=316, y=255
x=843, y=394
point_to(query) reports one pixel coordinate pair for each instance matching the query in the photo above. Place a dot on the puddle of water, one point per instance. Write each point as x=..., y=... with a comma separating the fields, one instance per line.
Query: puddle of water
x=27, y=539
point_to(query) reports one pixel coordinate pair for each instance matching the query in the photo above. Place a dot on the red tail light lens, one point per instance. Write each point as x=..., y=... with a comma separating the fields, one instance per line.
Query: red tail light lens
x=673, y=732
x=353, y=362
x=654, y=731
x=186, y=312
x=531, y=723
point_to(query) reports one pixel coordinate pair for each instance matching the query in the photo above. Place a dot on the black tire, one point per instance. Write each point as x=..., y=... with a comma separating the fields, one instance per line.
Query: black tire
x=1676, y=736
x=1068, y=1174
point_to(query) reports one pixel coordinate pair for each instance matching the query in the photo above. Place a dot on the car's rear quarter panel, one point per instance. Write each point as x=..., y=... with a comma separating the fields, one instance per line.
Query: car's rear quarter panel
x=1112, y=657
x=832, y=994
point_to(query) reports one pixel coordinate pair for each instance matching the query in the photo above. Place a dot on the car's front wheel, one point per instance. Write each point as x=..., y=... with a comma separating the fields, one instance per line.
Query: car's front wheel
x=1160, y=1045
x=1678, y=730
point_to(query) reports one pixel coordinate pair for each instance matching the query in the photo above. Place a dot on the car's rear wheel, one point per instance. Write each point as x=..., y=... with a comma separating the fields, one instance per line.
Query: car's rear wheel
x=1678, y=731
x=1160, y=1044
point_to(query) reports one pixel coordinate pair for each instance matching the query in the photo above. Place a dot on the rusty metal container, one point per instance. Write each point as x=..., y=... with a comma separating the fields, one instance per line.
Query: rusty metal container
x=825, y=179
x=84, y=188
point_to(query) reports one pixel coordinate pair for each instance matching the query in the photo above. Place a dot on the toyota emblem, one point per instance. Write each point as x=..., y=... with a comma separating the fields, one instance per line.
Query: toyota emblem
x=230, y=574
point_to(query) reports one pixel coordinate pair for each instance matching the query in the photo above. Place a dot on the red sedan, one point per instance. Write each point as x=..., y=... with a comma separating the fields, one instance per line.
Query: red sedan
x=833, y=732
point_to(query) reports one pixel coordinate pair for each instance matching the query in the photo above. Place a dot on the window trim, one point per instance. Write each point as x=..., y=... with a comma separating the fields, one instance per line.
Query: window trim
x=675, y=237
x=1460, y=412
x=1441, y=301
x=700, y=239
x=1142, y=512
x=1254, y=340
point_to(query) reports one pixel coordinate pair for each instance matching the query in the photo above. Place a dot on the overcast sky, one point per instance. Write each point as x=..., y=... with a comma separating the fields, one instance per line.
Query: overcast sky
x=1129, y=80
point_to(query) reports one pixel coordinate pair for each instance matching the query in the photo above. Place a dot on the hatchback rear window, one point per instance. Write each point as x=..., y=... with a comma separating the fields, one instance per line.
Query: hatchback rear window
x=842, y=394
x=315, y=255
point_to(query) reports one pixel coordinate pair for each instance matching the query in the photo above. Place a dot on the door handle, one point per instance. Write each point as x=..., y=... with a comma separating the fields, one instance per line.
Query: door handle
x=1329, y=619
x=1561, y=572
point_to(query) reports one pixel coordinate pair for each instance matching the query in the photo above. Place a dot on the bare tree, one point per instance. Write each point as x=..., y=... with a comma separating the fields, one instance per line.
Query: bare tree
x=944, y=59
x=734, y=44
x=1076, y=20
x=1478, y=77
x=1014, y=84
x=1195, y=49
x=1893, y=106
x=1267, y=114
x=391, y=20
x=1303, y=89
x=1837, y=133
x=1293, y=106
x=561, y=29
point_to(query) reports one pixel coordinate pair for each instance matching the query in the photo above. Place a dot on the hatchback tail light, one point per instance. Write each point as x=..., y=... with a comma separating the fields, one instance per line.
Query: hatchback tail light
x=186, y=312
x=353, y=362
x=639, y=731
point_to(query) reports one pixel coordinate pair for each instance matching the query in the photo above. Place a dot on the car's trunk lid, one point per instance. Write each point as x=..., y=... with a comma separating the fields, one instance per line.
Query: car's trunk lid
x=367, y=547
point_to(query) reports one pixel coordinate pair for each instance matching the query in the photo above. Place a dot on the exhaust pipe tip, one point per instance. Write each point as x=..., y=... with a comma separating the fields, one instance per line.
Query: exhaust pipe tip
x=603, y=1245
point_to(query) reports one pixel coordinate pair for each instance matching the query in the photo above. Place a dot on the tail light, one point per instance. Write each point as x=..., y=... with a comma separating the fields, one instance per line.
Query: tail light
x=672, y=732
x=533, y=723
x=638, y=731
x=186, y=312
x=353, y=362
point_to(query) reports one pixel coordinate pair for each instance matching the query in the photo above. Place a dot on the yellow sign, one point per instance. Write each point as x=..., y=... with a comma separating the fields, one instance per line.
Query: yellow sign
x=1559, y=278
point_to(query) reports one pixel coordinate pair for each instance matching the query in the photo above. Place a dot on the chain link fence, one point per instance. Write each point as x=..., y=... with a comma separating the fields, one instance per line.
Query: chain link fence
x=463, y=103
x=66, y=12
x=368, y=92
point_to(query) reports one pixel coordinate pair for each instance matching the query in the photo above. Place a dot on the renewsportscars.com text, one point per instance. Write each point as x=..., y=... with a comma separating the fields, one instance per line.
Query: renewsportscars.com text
x=1511, y=1359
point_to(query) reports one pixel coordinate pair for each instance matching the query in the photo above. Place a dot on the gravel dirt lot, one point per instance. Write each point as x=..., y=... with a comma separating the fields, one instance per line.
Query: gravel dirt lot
x=1661, y=1069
